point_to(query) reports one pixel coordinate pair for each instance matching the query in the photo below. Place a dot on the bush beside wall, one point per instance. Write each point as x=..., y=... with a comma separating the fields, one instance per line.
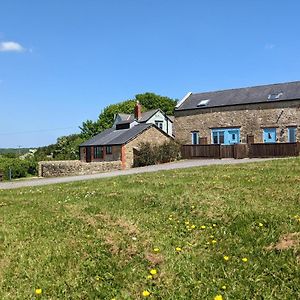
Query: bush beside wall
x=149, y=154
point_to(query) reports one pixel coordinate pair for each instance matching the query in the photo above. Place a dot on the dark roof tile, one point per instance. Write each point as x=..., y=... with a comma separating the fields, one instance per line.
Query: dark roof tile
x=248, y=95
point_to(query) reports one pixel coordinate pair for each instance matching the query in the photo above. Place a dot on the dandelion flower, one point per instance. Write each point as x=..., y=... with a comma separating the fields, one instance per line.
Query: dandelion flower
x=193, y=226
x=156, y=249
x=244, y=259
x=38, y=291
x=146, y=293
x=226, y=257
x=213, y=241
x=203, y=227
x=218, y=297
x=153, y=272
x=178, y=249
x=149, y=277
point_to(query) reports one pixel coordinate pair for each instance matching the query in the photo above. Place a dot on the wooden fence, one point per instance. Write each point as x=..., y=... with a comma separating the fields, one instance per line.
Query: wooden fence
x=214, y=151
x=274, y=149
x=240, y=150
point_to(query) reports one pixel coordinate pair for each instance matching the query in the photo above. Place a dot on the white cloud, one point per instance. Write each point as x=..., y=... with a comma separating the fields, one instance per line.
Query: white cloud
x=11, y=47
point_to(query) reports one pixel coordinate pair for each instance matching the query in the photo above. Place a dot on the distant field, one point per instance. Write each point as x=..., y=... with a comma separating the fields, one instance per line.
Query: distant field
x=230, y=231
x=14, y=150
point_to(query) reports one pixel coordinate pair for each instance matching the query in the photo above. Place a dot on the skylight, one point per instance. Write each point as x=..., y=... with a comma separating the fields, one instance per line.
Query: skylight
x=203, y=102
x=275, y=96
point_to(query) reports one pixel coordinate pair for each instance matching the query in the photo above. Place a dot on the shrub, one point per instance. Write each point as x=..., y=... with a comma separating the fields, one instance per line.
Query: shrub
x=149, y=154
x=19, y=168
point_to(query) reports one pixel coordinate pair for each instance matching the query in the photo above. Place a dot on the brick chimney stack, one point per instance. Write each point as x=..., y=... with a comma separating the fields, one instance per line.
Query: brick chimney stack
x=138, y=110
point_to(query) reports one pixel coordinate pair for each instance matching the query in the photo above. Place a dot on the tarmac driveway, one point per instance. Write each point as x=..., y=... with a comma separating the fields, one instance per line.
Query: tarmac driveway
x=168, y=166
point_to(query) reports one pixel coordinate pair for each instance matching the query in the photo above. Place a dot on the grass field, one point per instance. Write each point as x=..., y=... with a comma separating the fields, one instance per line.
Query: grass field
x=230, y=231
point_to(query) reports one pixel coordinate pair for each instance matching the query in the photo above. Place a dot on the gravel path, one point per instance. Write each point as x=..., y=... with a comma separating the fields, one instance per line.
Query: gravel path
x=168, y=166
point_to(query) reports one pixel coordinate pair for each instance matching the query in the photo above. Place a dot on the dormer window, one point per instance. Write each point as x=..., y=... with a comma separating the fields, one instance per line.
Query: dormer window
x=122, y=126
x=275, y=96
x=203, y=103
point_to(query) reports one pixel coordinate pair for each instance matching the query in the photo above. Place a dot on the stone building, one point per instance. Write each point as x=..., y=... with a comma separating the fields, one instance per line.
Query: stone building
x=120, y=142
x=260, y=114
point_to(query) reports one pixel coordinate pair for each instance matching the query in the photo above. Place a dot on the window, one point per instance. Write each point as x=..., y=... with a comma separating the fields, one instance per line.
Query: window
x=292, y=134
x=159, y=124
x=195, y=137
x=108, y=149
x=98, y=152
x=226, y=136
x=123, y=126
x=203, y=103
x=275, y=96
x=269, y=135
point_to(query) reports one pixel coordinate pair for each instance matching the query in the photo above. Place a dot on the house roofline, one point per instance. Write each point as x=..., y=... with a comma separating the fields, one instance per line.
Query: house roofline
x=145, y=129
x=183, y=99
x=236, y=104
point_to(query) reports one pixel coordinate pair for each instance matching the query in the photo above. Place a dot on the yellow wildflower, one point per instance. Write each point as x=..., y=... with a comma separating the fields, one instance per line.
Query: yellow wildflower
x=178, y=249
x=156, y=249
x=146, y=293
x=193, y=226
x=224, y=287
x=214, y=225
x=149, y=277
x=260, y=224
x=213, y=241
x=187, y=222
x=153, y=272
x=203, y=227
x=38, y=291
x=226, y=257
x=218, y=297
x=244, y=259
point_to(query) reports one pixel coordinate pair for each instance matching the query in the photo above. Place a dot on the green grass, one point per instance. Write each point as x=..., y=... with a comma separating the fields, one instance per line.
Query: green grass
x=95, y=239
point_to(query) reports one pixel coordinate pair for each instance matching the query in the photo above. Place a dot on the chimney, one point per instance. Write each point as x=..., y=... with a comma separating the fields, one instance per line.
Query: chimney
x=138, y=110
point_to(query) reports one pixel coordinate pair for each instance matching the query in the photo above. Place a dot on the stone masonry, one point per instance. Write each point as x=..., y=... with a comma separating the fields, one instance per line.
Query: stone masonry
x=251, y=119
x=75, y=167
x=152, y=135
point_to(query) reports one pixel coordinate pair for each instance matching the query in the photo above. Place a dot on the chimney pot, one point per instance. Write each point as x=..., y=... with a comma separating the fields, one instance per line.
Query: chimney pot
x=137, y=111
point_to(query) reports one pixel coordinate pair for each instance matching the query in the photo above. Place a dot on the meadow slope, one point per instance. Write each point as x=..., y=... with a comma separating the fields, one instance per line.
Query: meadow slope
x=231, y=231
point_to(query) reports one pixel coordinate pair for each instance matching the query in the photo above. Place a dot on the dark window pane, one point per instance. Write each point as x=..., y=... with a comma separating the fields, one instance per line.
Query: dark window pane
x=221, y=137
x=215, y=138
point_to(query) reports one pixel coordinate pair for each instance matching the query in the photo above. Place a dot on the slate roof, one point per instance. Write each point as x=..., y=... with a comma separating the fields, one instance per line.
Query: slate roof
x=126, y=117
x=248, y=95
x=144, y=118
x=112, y=136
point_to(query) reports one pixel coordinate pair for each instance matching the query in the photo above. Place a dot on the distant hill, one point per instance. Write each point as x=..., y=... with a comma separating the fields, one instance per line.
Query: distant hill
x=20, y=151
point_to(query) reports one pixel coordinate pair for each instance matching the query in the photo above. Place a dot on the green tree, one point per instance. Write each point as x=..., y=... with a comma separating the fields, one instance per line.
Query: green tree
x=106, y=118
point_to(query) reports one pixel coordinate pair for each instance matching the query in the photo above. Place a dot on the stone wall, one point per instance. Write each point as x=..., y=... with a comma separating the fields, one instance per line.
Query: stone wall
x=250, y=118
x=152, y=135
x=74, y=167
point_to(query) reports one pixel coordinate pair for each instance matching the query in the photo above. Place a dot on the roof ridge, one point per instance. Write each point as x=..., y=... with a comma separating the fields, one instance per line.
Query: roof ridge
x=247, y=87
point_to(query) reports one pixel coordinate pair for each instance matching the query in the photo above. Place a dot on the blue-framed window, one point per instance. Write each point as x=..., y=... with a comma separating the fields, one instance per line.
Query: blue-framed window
x=226, y=136
x=195, y=137
x=292, y=134
x=270, y=135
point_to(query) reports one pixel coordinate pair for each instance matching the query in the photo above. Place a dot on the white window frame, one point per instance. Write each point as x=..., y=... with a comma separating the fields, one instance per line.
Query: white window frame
x=197, y=137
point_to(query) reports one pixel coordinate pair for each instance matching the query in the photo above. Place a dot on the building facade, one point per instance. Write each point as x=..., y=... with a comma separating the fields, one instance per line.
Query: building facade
x=263, y=114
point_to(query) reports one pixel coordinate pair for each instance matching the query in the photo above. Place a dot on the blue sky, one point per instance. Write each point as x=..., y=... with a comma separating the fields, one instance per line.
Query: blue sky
x=62, y=61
